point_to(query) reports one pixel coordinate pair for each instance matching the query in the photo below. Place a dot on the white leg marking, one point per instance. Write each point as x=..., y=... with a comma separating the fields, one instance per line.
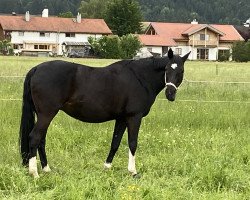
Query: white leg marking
x=107, y=165
x=47, y=168
x=131, y=163
x=33, y=167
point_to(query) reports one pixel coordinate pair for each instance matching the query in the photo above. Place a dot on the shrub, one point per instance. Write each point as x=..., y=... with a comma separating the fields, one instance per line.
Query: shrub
x=115, y=47
x=129, y=45
x=241, y=51
x=4, y=47
x=224, y=55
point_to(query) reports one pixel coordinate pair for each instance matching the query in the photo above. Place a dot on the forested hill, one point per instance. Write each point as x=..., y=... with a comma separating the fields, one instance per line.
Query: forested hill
x=212, y=11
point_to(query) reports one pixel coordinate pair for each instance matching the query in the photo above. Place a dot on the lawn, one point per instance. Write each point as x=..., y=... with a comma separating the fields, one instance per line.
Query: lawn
x=197, y=147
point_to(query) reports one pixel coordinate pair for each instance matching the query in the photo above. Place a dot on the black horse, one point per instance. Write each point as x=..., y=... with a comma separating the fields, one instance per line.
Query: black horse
x=123, y=91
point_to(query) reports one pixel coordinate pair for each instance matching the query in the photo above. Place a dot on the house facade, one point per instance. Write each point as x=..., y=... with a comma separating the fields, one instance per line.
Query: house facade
x=41, y=35
x=206, y=42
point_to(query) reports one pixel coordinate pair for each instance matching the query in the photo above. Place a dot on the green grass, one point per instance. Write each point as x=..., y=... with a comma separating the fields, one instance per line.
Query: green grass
x=186, y=150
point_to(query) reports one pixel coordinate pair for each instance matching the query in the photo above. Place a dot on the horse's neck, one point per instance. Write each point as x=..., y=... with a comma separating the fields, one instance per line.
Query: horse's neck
x=152, y=74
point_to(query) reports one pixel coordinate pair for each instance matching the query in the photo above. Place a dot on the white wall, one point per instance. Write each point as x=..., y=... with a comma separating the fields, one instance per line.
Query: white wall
x=155, y=49
x=54, y=38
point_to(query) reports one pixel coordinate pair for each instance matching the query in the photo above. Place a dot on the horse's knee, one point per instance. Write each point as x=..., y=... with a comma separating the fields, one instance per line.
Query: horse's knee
x=132, y=147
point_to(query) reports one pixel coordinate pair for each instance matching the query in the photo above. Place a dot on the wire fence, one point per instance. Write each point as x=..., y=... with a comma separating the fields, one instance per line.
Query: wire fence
x=161, y=99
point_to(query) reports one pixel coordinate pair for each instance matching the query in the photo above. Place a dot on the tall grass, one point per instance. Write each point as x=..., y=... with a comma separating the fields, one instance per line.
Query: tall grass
x=186, y=150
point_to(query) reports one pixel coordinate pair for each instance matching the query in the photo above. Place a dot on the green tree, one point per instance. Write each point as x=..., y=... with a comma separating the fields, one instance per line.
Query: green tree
x=93, y=8
x=124, y=17
x=66, y=15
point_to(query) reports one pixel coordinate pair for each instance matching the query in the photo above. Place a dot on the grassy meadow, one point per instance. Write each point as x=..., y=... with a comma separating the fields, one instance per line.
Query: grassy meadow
x=197, y=147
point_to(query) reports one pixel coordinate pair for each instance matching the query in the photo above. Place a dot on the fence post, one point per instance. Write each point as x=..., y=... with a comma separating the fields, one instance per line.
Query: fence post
x=217, y=69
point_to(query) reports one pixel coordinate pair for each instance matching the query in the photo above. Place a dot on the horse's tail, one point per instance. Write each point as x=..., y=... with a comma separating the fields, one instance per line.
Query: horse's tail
x=27, y=118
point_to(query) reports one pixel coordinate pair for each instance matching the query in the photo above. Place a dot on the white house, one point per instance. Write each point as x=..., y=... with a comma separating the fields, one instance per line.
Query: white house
x=205, y=41
x=40, y=35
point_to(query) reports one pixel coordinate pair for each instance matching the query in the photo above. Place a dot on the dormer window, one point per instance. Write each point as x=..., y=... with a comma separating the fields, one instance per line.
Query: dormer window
x=70, y=34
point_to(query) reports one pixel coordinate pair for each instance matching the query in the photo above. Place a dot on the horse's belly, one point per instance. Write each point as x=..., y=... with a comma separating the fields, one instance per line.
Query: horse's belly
x=88, y=113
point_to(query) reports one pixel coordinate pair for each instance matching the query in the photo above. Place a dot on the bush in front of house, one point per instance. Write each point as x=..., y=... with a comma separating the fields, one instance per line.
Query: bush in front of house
x=5, y=47
x=115, y=47
x=241, y=51
x=224, y=56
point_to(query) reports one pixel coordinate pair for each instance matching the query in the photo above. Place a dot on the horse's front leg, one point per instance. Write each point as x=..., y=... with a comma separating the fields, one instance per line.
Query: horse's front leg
x=133, y=130
x=120, y=126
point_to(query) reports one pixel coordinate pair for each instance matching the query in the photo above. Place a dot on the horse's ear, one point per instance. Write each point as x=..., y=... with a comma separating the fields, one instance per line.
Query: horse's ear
x=184, y=58
x=170, y=53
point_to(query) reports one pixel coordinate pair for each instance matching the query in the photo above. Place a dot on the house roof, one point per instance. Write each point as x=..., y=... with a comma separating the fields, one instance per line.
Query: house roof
x=177, y=31
x=156, y=40
x=231, y=34
x=54, y=24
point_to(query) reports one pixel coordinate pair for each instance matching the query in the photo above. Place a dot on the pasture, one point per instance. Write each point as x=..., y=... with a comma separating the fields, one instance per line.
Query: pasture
x=197, y=147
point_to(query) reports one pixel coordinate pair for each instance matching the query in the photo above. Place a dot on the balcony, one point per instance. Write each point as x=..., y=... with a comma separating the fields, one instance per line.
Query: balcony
x=203, y=43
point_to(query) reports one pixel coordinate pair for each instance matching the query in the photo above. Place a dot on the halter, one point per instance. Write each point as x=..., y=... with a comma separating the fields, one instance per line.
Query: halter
x=169, y=83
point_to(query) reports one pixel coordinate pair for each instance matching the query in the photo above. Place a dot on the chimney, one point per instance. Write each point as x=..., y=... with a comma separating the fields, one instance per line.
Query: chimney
x=27, y=16
x=45, y=12
x=194, y=22
x=247, y=23
x=78, y=18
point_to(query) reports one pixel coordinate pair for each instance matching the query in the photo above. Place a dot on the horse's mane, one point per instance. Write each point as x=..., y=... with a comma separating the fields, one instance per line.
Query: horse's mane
x=152, y=61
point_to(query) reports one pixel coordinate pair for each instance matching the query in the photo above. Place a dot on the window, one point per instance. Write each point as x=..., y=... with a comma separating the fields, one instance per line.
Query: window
x=41, y=46
x=178, y=51
x=20, y=33
x=15, y=46
x=202, y=54
x=204, y=37
x=43, y=34
x=70, y=34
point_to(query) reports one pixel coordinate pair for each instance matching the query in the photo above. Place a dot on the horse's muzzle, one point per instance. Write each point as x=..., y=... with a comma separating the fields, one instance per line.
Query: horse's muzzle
x=170, y=93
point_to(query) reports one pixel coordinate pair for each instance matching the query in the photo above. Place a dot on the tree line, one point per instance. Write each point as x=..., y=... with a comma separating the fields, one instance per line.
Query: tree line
x=214, y=11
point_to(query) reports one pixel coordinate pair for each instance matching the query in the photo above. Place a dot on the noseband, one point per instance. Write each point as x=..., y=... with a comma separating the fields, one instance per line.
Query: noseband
x=169, y=83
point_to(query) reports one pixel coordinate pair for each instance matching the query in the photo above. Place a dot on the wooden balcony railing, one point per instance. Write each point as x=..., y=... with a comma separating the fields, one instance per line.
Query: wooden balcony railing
x=203, y=43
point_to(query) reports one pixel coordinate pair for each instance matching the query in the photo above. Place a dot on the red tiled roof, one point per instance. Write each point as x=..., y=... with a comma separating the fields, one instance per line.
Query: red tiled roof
x=231, y=34
x=156, y=40
x=54, y=24
x=176, y=30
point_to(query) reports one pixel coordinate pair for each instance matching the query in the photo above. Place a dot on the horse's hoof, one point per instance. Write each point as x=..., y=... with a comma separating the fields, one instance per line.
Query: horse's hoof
x=34, y=174
x=107, y=165
x=136, y=176
x=47, y=169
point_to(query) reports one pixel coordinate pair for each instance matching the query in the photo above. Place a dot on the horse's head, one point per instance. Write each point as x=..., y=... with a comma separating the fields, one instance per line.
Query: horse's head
x=174, y=72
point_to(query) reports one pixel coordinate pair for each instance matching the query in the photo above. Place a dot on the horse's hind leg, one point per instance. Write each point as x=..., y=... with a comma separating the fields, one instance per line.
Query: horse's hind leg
x=133, y=130
x=36, y=137
x=120, y=126
x=42, y=155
